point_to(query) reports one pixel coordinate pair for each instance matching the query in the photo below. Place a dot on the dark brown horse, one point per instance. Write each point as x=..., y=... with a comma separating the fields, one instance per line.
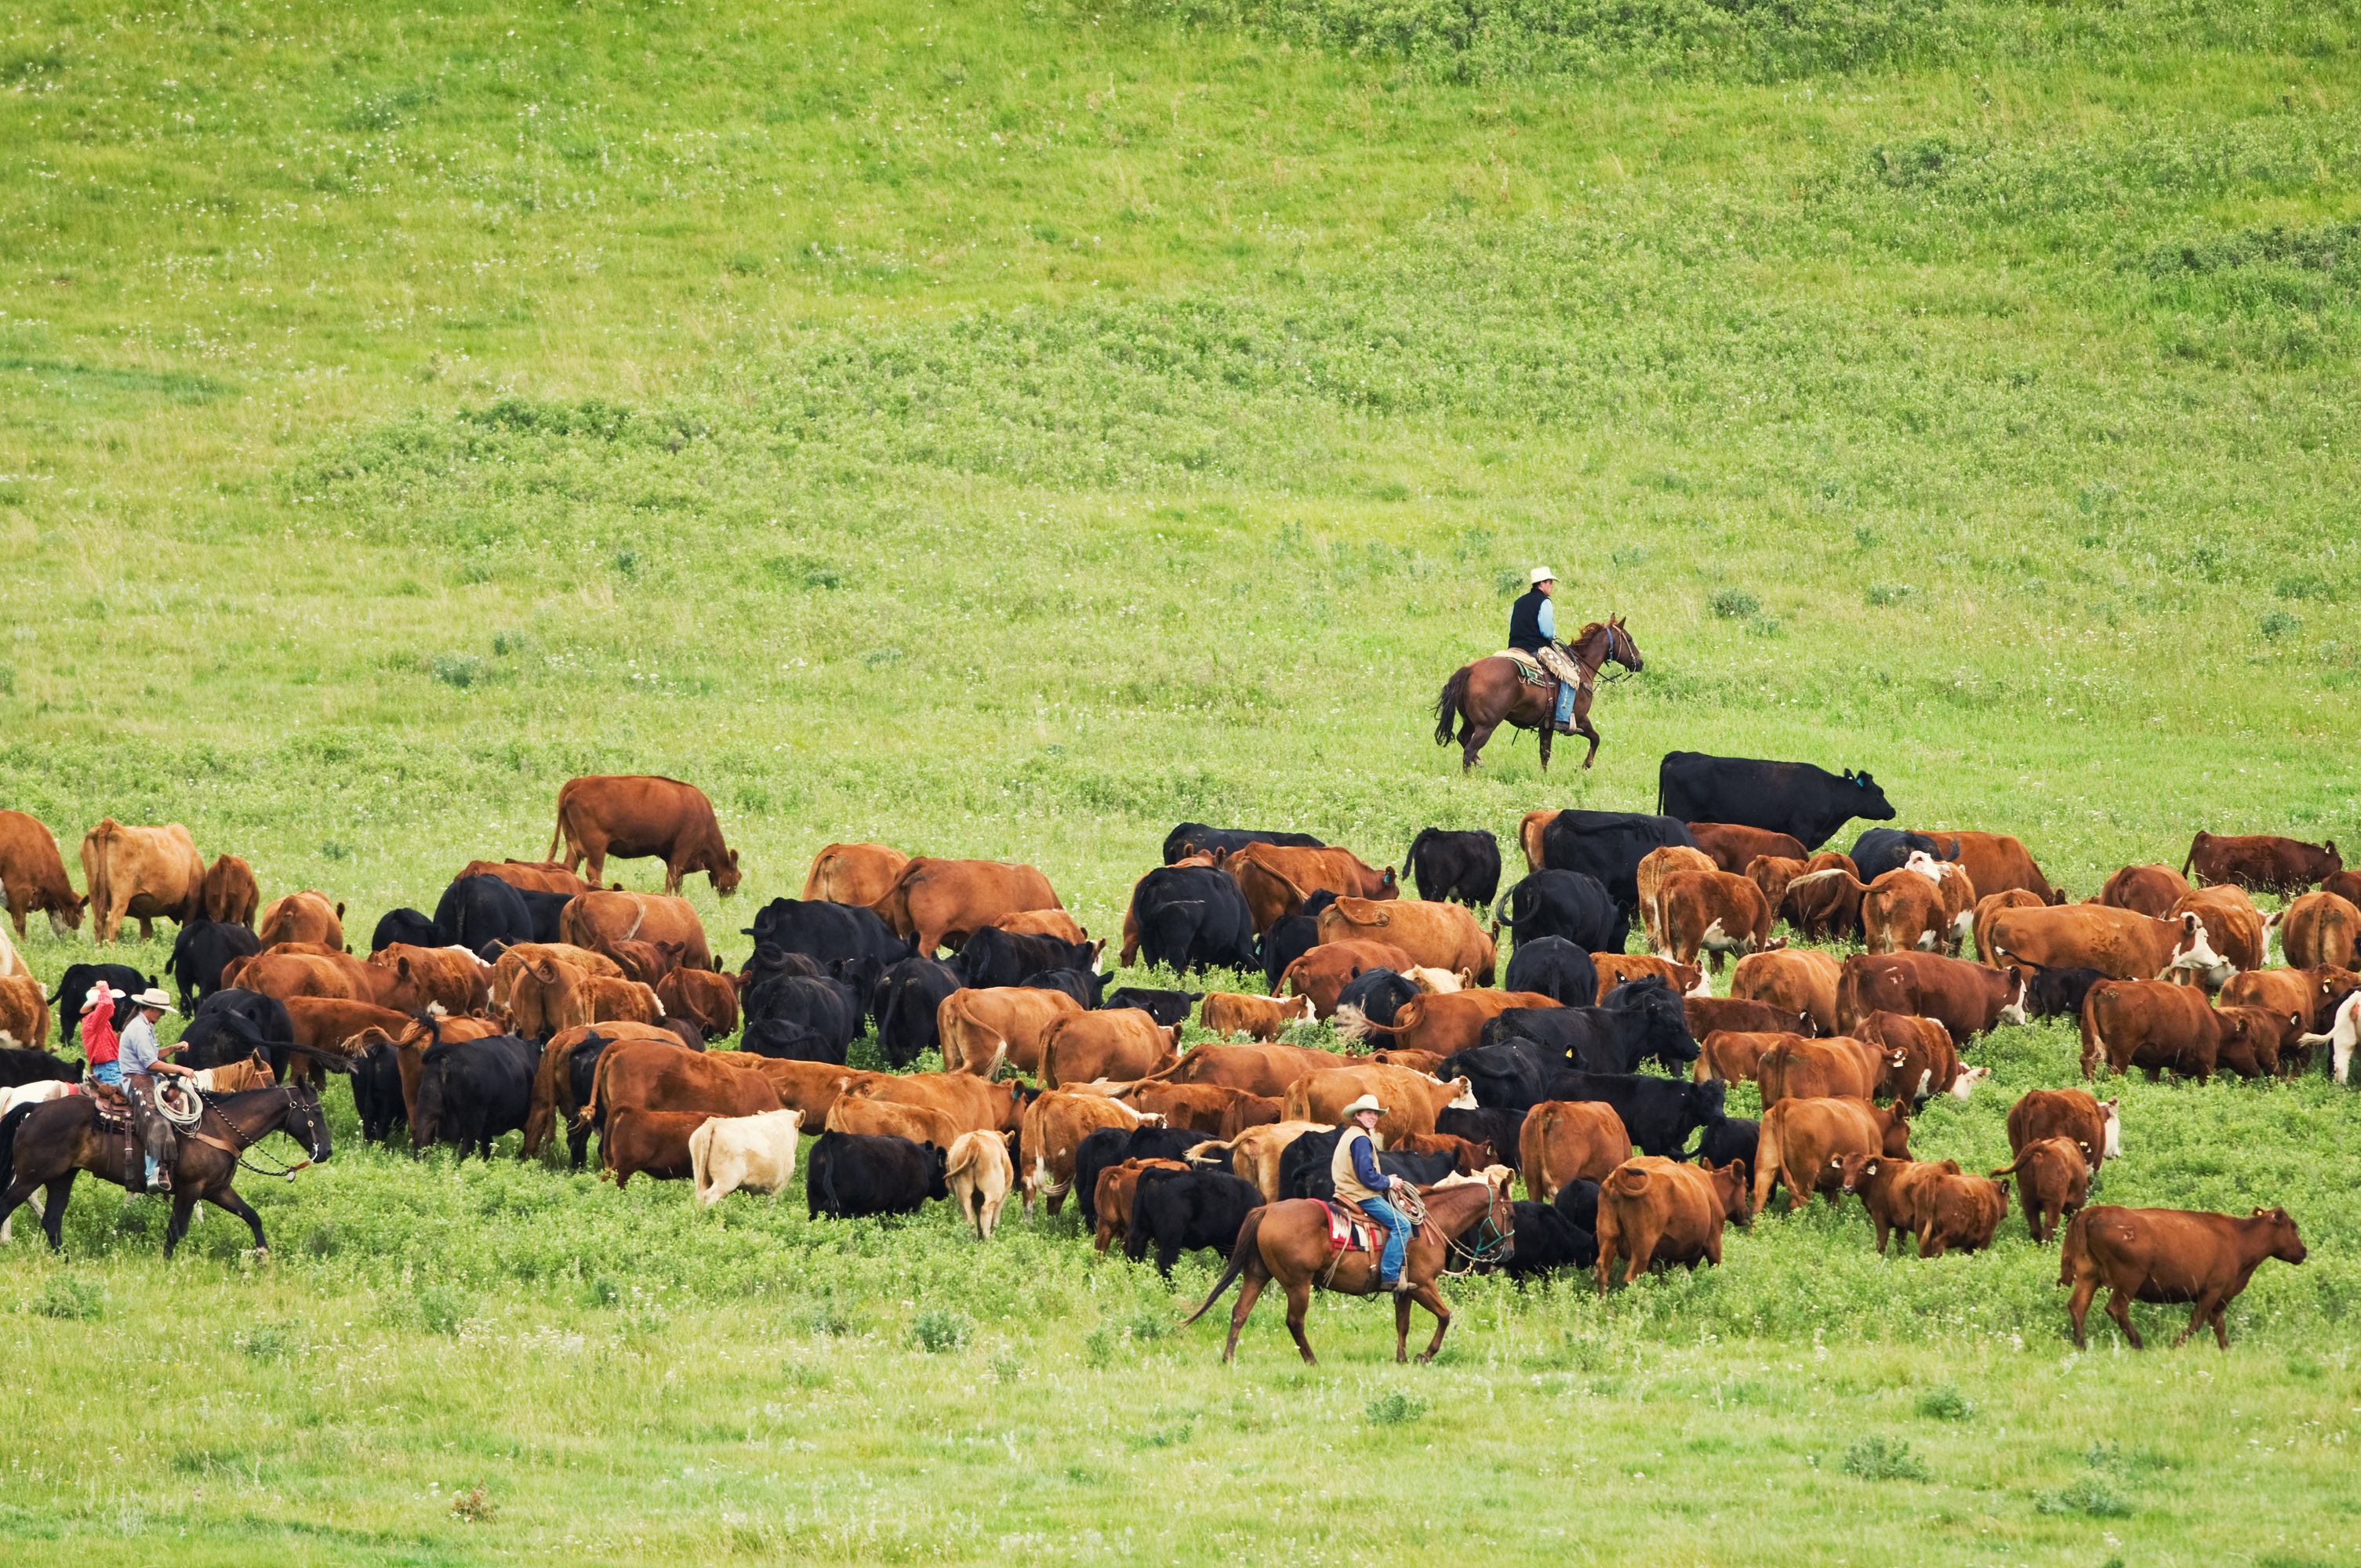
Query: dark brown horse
x=47, y=1146
x=1288, y=1240
x=1489, y=693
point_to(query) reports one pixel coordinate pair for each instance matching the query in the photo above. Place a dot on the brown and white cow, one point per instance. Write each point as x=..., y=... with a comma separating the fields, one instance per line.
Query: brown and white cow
x=853, y=873
x=1228, y=1014
x=452, y=979
x=2319, y=931
x=1733, y=848
x=34, y=876
x=1656, y=866
x=1793, y=980
x=231, y=894
x=2121, y=943
x=2053, y=1181
x=2310, y=993
x=941, y=902
x=2169, y=1255
x=1772, y=873
x=2261, y=863
x=1920, y=1059
x=2150, y=890
x=1735, y=1056
x=1655, y=1211
x=24, y=1013
x=2234, y=926
x=1718, y=913
x=1804, y=1142
x=1322, y=973
x=1824, y=907
x=634, y=815
x=1438, y=936
x=140, y=873
x=1053, y=1128
x=1569, y=1140
x=595, y=919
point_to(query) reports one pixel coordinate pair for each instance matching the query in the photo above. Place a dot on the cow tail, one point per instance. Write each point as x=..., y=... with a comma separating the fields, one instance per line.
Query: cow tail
x=589, y=1115
x=1249, y=1244
x=701, y=1159
x=2094, y=1046
x=1447, y=705
x=557, y=833
x=1770, y=1158
x=2190, y=861
x=2077, y=1246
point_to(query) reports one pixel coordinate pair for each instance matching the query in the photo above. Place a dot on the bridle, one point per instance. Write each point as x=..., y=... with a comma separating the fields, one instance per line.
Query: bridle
x=1495, y=1239
x=247, y=1142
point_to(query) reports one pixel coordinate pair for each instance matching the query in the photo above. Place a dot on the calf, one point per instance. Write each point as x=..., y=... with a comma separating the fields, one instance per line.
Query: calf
x=1959, y=1213
x=1564, y=1141
x=1167, y=1007
x=1655, y=1212
x=853, y=1174
x=751, y=1153
x=979, y=1174
x=2261, y=863
x=1734, y=1056
x=1793, y=980
x=1200, y=1208
x=1553, y=967
x=1462, y=867
x=2168, y=1255
x=1110, y=1198
x=1889, y=1188
x=2053, y=1181
x=1804, y=1142
x=1257, y=1017
x=1719, y=912
x=2258, y=1042
x=2051, y=992
x=654, y=1143
x=2093, y=1126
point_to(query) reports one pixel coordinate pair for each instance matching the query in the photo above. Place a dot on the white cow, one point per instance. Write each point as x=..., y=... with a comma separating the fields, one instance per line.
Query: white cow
x=2343, y=1037
x=755, y=1152
x=28, y=1094
x=980, y=1174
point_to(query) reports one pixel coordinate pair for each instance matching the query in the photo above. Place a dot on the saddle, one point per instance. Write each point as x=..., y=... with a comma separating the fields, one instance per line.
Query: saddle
x=1527, y=667
x=1351, y=1229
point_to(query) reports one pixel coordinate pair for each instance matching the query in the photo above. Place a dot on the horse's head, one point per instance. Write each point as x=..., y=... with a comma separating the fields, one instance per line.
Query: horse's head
x=1619, y=646
x=306, y=1122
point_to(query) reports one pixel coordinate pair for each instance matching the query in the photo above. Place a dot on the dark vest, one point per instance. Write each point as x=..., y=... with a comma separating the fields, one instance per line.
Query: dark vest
x=1525, y=622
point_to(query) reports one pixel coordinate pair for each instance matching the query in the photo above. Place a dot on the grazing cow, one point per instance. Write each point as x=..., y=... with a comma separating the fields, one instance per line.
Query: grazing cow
x=1322, y=973
x=652, y=1075
x=2319, y=930
x=1113, y=1191
x=2345, y=884
x=24, y=1012
x=2153, y=1025
x=412, y=927
x=1660, y=1113
x=1290, y=938
x=1437, y=936
x=1704, y=1015
x=140, y=873
x=885, y=1118
x=1926, y=905
x=1227, y=1013
x=981, y=1029
x=1196, y=838
x=1804, y=1142
x=824, y=932
x=2261, y=863
x=1108, y=1146
x=1793, y=980
x=1462, y=866
x=1733, y=848
x=306, y=916
x=1411, y=1099
x=1800, y=800
x=1052, y=1130
x=1635, y=1021
x=573, y=998
x=979, y=1174
x=993, y=956
x=1119, y=1048
x=705, y=997
x=743, y=1153
x=2091, y=1125
x=1988, y=909
x=972, y=1103
x=34, y=876
x=1959, y=1213
x=649, y=1143
x=1607, y=846
x=1188, y=917
x=631, y=816
x=1841, y=1067
x=1623, y=969
x=1920, y=1061
x=2233, y=926
x=1278, y=881
x=1731, y=1140
x=855, y=1174
x=229, y=893
x=1967, y=999
x=1085, y=986
x=1203, y=1108
x=1772, y=874
x=1572, y=905
x=2169, y=1255
x=853, y=873
x=479, y=909
x=1998, y=862
x=1570, y=1140
x=1254, y=1069
x=2309, y=993
x=1719, y=912
x=1890, y=1188
x=1883, y=849
x=2342, y=1035
x=1824, y=907
x=822, y=1004
x=1655, y=1211
x=1167, y=1007
x=938, y=902
x=1443, y=1025
x=1735, y=1056
x=2146, y=890
x=1544, y=1242
x=646, y=962
x=594, y=919
x=472, y=1091
x=2053, y=1181
x=199, y=953
x=1189, y=1212
x=1553, y=967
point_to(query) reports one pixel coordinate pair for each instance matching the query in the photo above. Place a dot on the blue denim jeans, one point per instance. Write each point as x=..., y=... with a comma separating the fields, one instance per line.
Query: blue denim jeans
x=1565, y=702
x=108, y=1072
x=1389, y=1262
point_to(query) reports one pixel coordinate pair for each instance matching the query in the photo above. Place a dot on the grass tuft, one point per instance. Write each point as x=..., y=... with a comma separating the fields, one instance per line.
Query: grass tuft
x=70, y=1299
x=1880, y=1458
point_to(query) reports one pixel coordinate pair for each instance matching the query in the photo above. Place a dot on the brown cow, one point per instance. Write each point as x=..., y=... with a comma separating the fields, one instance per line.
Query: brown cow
x=552, y=1104
x=941, y=901
x=1413, y=1101
x=708, y=998
x=2319, y=931
x=24, y=1013
x=1804, y=1142
x=2233, y=924
x=981, y=1029
x=1205, y=1108
x=630, y=815
x=1967, y=999
x=2258, y=1042
x=519, y=997
x=2147, y=890
x=1265, y=1071
x=286, y=975
x=414, y=979
x=2152, y=1024
x=1793, y=980
x=1925, y=904
x=2053, y=1181
x=1569, y=1140
x=653, y=1142
x=972, y=1102
x=1276, y=879
x=1322, y=973
x=306, y=916
x=1734, y=1056
x=646, y=962
x=1045, y=922
x=2168, y=1255
x=142, y=873
x=1112, y=1201
x=571, y=998
x=810, y=1087
x=531, y=876
x=2122, y=944
x=1995, y=862
x=2310, y=993
x=1439, y=936
x=34, y=876
x=1227, y=1013
x=1824, y=906
x=1249, y=1111
x=1117, y=1044
x=1254, y=1153
x=1888, y=1187
x=885, y=1118
x=1706, y=1015
x=1988, y=909
x=651, y=1075
x=1733, y=848
x=333, y=1024
x=1653, y=1211
x=1772, y=874
x=1843, y=1067
x=1959, y=1213
x=1655, y=867
x=980, y=1173
x=1442, y=1024
x=1529, y=835
x=1920, y=1059
x=2093, y=1126
x=1614, y=969
x=1426, y=1062
x=1053, y=1128
x=2261, y=863
x=2345, y=884
x=853, y=873
x=594, y=920
x=231, y=894
x=1720, y=913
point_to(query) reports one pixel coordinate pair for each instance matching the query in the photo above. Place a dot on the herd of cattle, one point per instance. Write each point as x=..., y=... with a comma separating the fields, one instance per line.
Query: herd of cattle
x=534, y=1001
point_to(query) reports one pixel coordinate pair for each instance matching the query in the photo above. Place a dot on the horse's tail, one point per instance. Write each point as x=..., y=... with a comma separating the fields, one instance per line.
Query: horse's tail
x=8, y=1126
x=1447, y=705
x=1250, y=1243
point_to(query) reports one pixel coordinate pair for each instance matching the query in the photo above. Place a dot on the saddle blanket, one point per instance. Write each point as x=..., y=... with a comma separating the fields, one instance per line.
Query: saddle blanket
x=1527, y=666
x=1351, y=1231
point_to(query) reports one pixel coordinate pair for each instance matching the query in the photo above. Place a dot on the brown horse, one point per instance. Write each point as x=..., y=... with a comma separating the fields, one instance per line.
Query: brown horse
x=1288, y=1240
x=47, y=1146
x=1489, y=693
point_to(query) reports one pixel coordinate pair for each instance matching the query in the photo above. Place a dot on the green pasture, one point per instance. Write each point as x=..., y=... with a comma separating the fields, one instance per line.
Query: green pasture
x=1009, y=430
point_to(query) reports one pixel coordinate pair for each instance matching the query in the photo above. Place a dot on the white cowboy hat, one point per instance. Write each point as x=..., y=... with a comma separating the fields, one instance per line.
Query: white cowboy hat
x=1544, y=574
x=152, y=997
x=1366, y=1102
x=101, y=990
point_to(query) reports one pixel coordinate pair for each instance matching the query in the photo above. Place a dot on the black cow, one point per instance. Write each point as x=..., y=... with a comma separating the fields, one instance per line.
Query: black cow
x=410, y=927
x=821, y=1003
x=852, y=1174
x=1659, y=1112
x=1290, y=938
x=994, y=958
x=1508, y=1072
x=545, y=908
x=1179, y=1211
x=20, y=1067
x=1192, y=918
x=1501, y=1128
x=1572, y=905
x=905, y=1001
x=1307, y=1167
x=1729, y=1140
x=1545, y=1240
x=863, y=975
x=472, y=1091
x=199, y=952
x=1796, y=798
x=478, y=909
x=1637, y=1020
x=1167, y=1007
x=230, y=1025
x=1883, y=849
x=784, y=1041
x=377, y=1093
x=74, y=985
x=1111, y=1146
x=1454, y=865
x=2054, y=993
x=1379, y=993
x=770, y=961
x=1610, y=845
x=827, y=931
x=1085, y=986
x=1578, y=1202
x=1554, y=966
x=1195, y=838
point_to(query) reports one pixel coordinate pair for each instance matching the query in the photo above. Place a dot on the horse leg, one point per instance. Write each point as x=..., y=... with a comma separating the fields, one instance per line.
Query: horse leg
x=1473, y=743
x=184, y=1206
x=20, y=1191
x=1401, y=1326
x=1427, y=1296
x=1249, y=1291
x=1582, y=726
x=238, y=1206
x=53, y=1209
x=1299, y=1304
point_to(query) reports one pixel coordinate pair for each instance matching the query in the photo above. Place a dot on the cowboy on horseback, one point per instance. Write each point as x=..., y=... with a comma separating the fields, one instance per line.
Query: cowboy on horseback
x=1533, y=628
x=1354, y=1168
x=142, y=1063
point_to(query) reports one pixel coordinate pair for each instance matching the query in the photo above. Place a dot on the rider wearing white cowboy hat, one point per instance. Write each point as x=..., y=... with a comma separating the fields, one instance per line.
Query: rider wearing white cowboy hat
x=1354, y=1169
x=142, y=1060
x=1533, y=628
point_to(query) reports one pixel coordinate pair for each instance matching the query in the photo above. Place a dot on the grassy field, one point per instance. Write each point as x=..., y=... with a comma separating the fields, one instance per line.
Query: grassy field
x=1009, y=430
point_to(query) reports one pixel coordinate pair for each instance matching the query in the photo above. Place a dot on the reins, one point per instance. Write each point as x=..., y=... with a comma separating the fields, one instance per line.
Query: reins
x=1492, y=1245
x=238, y=1151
